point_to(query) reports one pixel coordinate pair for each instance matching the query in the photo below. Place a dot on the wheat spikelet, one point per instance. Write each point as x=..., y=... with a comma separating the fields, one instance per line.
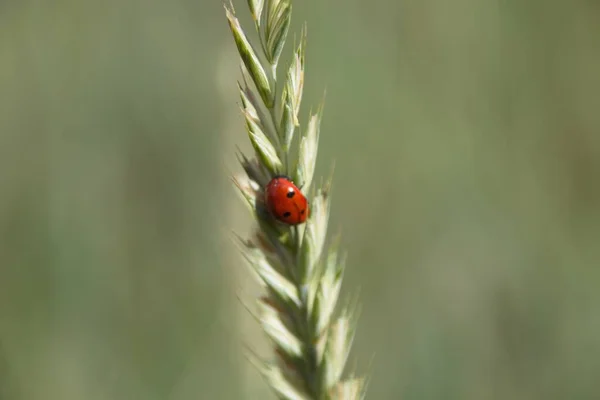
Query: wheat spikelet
x=300, y=276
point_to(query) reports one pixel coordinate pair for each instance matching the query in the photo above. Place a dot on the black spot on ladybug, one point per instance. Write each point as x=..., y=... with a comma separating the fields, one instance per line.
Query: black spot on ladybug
x=286, y=214
x=302, y=211
x=291, y=193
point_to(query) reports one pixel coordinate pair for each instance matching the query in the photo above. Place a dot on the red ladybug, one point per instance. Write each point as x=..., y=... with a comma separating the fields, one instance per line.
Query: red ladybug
x=285, y=201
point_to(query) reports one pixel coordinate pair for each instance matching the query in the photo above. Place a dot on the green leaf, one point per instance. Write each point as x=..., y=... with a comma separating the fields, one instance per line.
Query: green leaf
x=280, y=385
x=341, y=335
x=275, y=9
x=263, y=147
x=256, y=8
x=254, y=110
x=278, y=34
x=308, y=151
x=295, y=77
x=286, y=291
x=246, y=190
x=277, y=331
x=314, y=239
x=328, y=291
x=352, y=389
x=287, y=123
x=251, y=60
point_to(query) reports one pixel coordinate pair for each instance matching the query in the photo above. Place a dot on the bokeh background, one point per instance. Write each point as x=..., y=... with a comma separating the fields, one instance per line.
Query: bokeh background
x=466, y=138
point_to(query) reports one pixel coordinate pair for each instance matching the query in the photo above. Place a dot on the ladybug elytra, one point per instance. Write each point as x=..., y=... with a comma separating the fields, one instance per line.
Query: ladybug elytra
x=285, y=201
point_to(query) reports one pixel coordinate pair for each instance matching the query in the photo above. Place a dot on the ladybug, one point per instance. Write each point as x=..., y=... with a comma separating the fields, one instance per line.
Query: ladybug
x=285, y=201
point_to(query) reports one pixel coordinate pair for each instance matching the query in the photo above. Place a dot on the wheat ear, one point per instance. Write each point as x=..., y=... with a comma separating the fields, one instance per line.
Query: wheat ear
x=301, y=279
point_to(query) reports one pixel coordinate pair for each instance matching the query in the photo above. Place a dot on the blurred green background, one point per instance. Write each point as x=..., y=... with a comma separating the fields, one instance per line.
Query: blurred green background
x=466, y=137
